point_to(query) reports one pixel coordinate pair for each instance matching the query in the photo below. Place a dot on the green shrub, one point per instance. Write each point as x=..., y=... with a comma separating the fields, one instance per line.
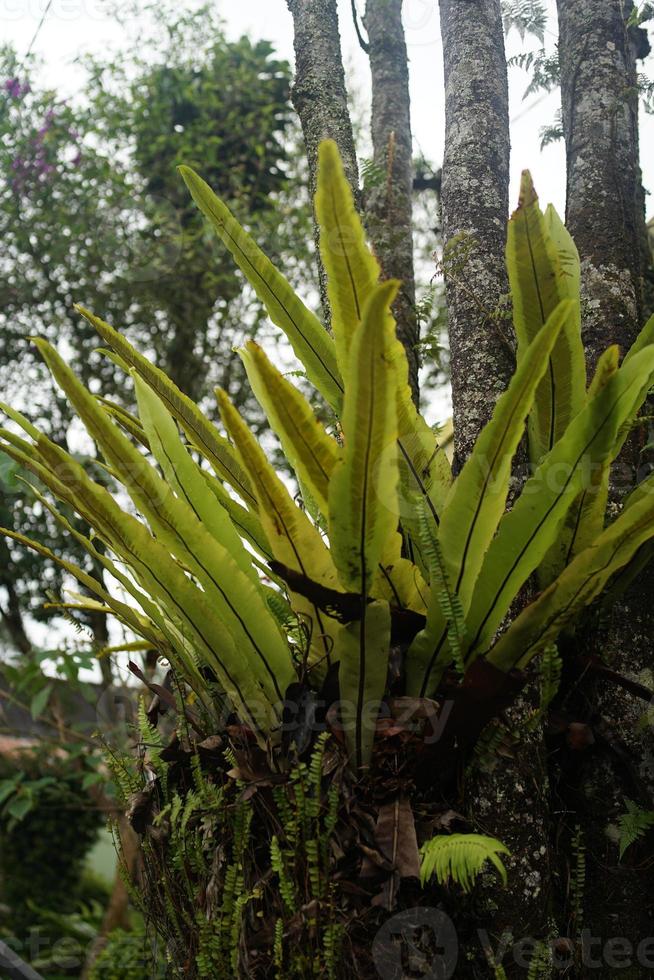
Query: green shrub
x=42, y=854
x=127, y=956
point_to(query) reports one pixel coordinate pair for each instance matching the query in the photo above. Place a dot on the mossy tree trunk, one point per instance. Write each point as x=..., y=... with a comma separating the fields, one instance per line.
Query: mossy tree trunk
x=475, y=196
x=598, y=55
x=319, y=94
x=389, y=201
x=509, y=802
x=603, y=208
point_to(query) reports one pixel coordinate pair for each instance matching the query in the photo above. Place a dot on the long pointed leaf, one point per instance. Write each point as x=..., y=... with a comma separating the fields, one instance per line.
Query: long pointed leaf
x=185, y=476
x=363, y=513
x=293, y=539
x=308, y=338
x=476, y=504
x=241, y=606
x=581, y=582
x=529, y=529
x=539, y=281
x=202, y=434
x=363, y=649
x=352, y=270
x=312, y=453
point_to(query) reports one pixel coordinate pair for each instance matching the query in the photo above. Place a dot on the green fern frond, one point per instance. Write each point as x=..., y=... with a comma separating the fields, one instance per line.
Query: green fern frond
x=550, y=676
x=150, y=737
x=578, y=877
x=540, y=965
x=460, y=857
x=527, y=16
x=633, y=824
x=449, y=600
x=285, y=885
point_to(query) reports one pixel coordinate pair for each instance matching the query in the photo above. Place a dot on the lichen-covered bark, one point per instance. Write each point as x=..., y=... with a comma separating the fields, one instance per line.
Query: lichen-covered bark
x=475, y=187
x=319, y=94
x=388, y=205
x=604, y=206
x=510, y=802
x=605, y=215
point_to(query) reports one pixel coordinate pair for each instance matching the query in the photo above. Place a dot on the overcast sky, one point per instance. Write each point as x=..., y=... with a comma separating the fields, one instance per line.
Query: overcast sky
x=73, y=26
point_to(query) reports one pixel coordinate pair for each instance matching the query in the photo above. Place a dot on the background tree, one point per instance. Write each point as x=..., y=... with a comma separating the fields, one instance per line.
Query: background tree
x=91, y=210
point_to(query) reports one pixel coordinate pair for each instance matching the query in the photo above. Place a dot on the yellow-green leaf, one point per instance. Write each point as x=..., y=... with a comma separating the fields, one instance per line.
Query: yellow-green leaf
x=478, y=497
x=185, y=476
x=293, y=539
x=312, y=453
x=363, y=513
x=352, y=270
x=363, y=649
x=527, y=532
x=234, y=596
x=543, y=270
x=308, y=338
x=581, y=582
x=200, y=431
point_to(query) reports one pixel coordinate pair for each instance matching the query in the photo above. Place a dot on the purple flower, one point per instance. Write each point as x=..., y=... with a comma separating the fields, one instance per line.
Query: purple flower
x=15, y=88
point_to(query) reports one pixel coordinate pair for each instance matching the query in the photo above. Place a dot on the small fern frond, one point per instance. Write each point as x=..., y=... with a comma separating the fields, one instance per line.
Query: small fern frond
x=460, y=857
x=540, y=965
x=633, y=824
x=150, y=736
x=527, y=16
x=550, y=676
x=438, y=580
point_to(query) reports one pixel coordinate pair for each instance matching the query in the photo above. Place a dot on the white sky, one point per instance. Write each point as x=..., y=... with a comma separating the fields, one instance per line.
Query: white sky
x=73, y=26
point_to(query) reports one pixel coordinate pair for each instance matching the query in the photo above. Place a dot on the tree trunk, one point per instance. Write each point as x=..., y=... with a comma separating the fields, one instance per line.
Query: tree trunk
x=605, y=214
x=319, y=94
x=389, y=204
x=510, y=801
x=475, y=195
x=12, y=617
x=604, y=210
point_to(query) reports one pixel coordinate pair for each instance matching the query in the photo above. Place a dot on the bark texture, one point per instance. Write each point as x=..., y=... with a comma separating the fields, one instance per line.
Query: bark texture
x=319, y=94
x=388, y=205
x=604, y=210
x=475, y=189
x=509, y=801
x=605, y=214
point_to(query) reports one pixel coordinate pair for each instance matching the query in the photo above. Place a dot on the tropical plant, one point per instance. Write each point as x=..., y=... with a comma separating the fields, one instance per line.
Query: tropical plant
x=633, y=824
x=461, y=857
x=370, y=605
x=127, y=956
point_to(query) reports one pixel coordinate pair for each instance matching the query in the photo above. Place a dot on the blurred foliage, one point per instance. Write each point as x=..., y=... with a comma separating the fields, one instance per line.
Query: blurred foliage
x=127, y=956
x=92, y=209
x=45, y=834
